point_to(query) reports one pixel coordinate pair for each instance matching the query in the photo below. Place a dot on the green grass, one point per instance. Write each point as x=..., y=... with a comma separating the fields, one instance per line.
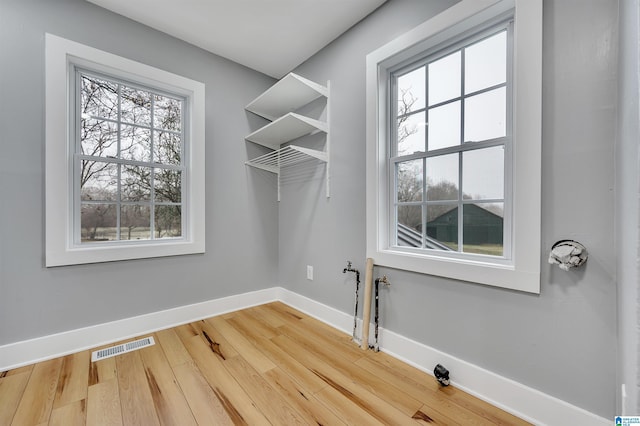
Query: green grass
x=109, y=234
x=489, y=249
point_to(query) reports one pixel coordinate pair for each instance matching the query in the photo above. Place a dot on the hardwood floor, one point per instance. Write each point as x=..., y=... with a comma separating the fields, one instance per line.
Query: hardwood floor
x=269, y=364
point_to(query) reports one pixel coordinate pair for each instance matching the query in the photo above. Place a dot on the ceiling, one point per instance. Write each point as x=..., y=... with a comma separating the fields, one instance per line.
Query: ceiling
x=270, y=36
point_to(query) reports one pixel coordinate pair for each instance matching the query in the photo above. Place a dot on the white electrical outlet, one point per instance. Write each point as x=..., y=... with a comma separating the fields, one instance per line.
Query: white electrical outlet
x=310, y=272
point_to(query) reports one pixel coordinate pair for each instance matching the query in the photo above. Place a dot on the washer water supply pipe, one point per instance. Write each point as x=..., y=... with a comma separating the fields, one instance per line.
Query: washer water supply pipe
x=386, y=283
x=355, y=310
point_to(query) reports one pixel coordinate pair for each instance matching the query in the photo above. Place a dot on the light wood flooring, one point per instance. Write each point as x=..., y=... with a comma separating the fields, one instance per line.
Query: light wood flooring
x=269, y=364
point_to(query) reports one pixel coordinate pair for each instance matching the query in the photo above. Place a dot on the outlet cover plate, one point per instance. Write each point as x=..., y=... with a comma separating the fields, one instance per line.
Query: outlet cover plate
x=310, y=272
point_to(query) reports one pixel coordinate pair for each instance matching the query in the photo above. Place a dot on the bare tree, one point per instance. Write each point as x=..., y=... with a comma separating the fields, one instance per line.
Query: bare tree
x=132, y=217
x=95, y=217
x=106, y=110
x=406, y=101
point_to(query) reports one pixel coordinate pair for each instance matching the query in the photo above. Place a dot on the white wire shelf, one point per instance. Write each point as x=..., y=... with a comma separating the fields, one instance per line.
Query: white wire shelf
x=285, y=156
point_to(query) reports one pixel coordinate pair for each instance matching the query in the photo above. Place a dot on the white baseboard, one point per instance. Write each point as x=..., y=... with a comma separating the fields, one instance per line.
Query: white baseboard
x=525, y=402
x=516, y=398
x=39, y=349
x=522, y=401
x=333, y=317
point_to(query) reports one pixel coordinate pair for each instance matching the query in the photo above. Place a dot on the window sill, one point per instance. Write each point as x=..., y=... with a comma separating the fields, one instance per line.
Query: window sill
x=118, y=252
x=484, y=270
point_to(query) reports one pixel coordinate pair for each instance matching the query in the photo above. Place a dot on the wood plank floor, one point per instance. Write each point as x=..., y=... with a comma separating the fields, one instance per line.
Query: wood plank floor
x=269, y=364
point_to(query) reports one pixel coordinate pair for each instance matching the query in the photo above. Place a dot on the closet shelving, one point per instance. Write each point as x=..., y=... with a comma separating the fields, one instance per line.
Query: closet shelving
x=279, y=105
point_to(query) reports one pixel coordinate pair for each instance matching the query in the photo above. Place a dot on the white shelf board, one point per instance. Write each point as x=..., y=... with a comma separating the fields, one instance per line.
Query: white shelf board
x=287, y=95
x=285, y=129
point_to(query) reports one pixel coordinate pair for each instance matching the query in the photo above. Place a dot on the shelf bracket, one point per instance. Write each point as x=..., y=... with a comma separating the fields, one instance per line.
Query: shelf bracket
x=328, y=142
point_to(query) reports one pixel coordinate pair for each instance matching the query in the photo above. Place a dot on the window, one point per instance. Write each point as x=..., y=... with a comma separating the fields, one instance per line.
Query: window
x=453, y=151
x=450, y=138
x=129, y=172
x=125, y=158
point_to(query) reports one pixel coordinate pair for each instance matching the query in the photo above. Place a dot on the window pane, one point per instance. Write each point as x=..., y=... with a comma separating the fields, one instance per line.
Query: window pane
x=167, y=113
x=167, y=148
x=486, y=63
x=409, y=181
x=136, y=106
x=483, y=228
x=98, y=98
x=485, y=116
x=168, y=222
x=135, y=183
x=98, y=181
x=444, y=79
x=444, y=126
x=98, y=222
x=411, y=91
x=135, y=222
x=409, y=226
x=98, y=138
x=168, y=186
x=442, y=227
x=135, y=143
x=411, y=134
x=483, y=173
x=442, y=177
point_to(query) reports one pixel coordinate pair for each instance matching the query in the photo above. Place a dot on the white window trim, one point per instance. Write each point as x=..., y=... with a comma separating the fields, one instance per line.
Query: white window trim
x=60, y=54
x=522, y=270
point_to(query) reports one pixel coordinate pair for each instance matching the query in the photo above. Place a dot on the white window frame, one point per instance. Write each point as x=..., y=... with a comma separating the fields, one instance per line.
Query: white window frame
x=521, y=269
x=61, y=58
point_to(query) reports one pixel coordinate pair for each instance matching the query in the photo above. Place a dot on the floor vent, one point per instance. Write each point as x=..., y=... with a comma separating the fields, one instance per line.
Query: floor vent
x=121, y=349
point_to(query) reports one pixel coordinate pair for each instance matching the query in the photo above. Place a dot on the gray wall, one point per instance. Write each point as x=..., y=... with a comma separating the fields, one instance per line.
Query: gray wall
x=627, y=195
x=562, y=342
x=241, y=231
